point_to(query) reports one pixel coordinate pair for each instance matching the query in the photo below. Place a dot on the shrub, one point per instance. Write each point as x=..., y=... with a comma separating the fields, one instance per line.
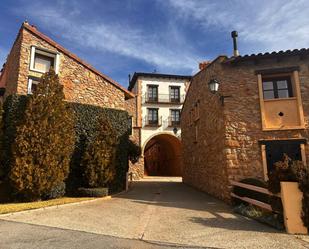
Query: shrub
x=292, y=171
x=134, y=151
x=2, y=153
x=93, y=192
x=44, y=141
x=57, y=191
x=86, y=132
x=14, y=109
x=99, y=158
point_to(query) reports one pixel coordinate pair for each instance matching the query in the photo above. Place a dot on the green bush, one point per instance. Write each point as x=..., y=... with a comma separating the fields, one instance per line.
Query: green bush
x=92, y=192
x=44, y=141
x=87, y=118
x=56, y=192
x=99, y=159
x=134, y=151
x=14, y=109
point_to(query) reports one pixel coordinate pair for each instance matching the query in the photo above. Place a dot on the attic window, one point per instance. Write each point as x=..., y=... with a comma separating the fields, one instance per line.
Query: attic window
x=41, y=60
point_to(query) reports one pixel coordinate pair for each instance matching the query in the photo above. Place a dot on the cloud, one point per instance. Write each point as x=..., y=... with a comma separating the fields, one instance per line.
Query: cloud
x=270, y=25
x=152, y=48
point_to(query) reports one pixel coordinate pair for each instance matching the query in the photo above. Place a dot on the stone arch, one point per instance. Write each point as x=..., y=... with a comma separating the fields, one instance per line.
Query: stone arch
x=162, y=155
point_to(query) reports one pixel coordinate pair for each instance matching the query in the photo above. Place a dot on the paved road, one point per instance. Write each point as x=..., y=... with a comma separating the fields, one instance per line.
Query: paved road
x=160, y=211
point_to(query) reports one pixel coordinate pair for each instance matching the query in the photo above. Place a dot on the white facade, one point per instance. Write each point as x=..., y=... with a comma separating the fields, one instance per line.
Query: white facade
x=164, y=104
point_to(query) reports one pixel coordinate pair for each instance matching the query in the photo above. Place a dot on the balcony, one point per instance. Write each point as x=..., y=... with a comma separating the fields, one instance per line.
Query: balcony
x=163, y=99
x=173, y=123
x=152, y=123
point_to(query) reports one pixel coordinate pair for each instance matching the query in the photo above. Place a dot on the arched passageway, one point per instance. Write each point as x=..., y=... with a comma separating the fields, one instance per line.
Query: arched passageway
x=162, y=156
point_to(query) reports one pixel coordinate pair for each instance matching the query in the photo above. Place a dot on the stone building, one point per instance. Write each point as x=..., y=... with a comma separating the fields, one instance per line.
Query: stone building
x=258, y=110
x=159, y=102
x=33, y=53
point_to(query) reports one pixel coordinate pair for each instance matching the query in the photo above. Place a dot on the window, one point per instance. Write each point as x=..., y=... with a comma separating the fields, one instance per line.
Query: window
x=175, y=118
x=41, y=61
x=197, y=111
x=274, y=88
x=130, y=123
x=153, y=116
x=195, y=133
x=175, y=94
x=32, y=85
x=152, y=93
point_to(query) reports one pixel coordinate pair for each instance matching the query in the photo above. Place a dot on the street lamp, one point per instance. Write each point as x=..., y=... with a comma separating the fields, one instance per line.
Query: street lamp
x=175, y=130
x=213, y=86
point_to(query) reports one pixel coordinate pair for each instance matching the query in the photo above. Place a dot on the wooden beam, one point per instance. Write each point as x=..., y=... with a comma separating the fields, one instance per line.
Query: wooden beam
x=254, y=202
x=254, y=188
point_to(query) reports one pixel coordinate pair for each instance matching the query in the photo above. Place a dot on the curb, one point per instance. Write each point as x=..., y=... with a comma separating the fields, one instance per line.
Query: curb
x=108, y=197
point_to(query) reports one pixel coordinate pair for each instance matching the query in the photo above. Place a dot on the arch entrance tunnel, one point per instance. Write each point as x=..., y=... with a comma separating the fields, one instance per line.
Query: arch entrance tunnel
x=162, y=156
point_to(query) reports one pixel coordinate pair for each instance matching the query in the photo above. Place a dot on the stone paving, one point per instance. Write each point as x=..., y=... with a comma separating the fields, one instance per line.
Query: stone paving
x=165, y=211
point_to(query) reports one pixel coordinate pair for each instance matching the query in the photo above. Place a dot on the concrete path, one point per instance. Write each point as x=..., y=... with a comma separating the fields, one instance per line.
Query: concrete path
x=160, y=210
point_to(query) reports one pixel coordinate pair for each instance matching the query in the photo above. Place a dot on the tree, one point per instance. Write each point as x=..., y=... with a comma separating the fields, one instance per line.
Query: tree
x=44, y=141
x=2, y=171
x=99, y=158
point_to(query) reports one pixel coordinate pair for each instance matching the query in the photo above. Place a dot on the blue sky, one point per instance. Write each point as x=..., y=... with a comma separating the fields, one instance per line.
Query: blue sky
x=119, y=37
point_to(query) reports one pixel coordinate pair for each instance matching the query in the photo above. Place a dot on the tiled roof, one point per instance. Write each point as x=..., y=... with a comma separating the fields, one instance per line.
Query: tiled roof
x=301, y=51
x=34, y=30
x=156, y=75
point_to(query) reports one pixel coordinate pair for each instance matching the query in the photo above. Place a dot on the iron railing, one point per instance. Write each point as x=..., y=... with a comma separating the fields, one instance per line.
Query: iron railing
x=152, y=122
x=172, y=122
x=163, y=98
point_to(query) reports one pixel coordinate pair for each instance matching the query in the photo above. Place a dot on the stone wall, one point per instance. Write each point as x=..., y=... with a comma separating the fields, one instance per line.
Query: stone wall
x=11, y=70
x=204, y=159
x=137, y=169
x=228, y=136
x=81, y=85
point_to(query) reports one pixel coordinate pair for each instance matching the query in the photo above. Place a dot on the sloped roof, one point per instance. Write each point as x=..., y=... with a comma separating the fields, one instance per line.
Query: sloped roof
x=265, y=55
x=34, y=30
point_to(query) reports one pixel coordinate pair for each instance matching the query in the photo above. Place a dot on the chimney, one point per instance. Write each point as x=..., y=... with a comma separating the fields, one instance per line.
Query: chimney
x=204, y=64
x=234, y=36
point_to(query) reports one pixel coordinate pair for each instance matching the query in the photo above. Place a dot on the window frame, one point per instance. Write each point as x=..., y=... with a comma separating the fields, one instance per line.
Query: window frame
x=171, y=92
x=152, y=121
x=30, y=83
x=275, y=89
x=151, y=97
x=44, y=52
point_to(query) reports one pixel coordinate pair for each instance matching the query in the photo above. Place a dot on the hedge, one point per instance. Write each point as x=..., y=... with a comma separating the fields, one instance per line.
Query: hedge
x=86, y=120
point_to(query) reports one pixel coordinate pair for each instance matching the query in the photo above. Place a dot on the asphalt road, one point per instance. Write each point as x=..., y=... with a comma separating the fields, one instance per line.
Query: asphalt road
x=155, y=213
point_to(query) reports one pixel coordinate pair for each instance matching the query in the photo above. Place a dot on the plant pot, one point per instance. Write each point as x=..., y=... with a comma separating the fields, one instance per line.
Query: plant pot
x=291, y=198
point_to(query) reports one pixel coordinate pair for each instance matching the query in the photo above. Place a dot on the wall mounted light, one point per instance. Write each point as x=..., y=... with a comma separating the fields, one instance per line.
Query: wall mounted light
x=213, y=86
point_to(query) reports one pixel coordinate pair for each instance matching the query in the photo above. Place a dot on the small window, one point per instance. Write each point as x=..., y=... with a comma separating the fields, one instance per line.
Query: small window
x=195, y=133
x=275, y=88
x=152, y=93
x=197, y=111
x=130, y=124
x=42, y=61
x=153, y=116
x=32, y=85
x=175, y=118
x=175, y=94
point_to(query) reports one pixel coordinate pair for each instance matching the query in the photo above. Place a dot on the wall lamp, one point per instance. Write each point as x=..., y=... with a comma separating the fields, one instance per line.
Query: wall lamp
x=213, y=86
x=175, y=130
